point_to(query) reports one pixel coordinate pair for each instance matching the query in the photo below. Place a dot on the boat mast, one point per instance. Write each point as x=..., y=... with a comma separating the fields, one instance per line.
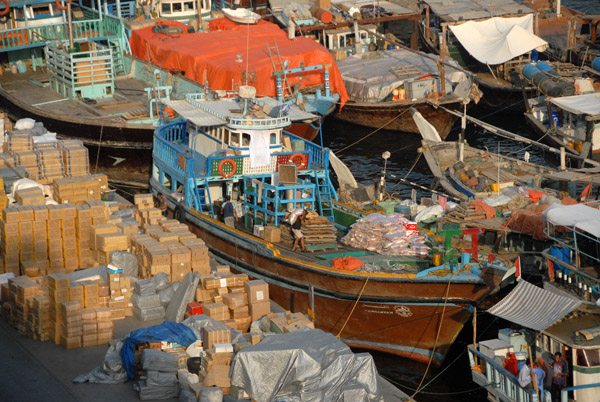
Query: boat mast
x=70, y=25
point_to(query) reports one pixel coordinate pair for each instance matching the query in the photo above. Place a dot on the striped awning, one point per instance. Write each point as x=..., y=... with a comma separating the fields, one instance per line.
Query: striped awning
x=534, y=307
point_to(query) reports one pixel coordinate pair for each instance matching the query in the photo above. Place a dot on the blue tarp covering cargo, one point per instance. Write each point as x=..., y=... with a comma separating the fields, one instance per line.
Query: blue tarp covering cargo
x=167, y=331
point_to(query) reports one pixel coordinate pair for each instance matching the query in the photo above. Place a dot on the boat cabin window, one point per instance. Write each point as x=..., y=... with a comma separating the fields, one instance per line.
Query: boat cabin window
x=165, y=8
x=588, y=358
x=245, y=140
x=177, y=7
x=178, y=187
x=189, y=6
x=273, y=139
x=155, y=173
x=167, y=181
x=234, y=139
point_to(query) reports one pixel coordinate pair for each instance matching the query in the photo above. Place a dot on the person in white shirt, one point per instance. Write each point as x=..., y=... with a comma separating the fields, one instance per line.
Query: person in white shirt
x=525, y=375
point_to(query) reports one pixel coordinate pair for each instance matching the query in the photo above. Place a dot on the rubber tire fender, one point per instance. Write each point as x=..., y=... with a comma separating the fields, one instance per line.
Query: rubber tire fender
x=179, y=213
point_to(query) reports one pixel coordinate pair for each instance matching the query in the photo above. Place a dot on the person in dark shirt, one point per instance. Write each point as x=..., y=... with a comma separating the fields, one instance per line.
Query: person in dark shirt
x=228, y=211
x=162, y=203
x=297, y=232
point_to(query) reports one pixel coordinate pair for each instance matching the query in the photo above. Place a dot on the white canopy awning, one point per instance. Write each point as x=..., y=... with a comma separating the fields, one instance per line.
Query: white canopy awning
x=580, y=216
x=533, y=307
x=497, y=40
x=579, y=104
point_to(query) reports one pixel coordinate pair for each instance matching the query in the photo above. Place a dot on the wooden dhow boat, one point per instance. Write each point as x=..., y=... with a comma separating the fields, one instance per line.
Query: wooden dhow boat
x=403, y=303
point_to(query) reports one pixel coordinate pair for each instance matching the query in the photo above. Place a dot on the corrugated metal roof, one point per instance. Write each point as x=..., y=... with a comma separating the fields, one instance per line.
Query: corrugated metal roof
x=465, y=10
x=194, y=114
x=534, y=307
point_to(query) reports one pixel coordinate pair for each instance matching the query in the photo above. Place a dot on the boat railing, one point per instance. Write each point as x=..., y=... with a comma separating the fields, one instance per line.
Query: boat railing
x=37, y=36
x=564, y=393
x=243, y=123
x=126, y=9
x=499, y=378
x=582, y=283
x=243, y=166
x=174, y=154
x=320, y=155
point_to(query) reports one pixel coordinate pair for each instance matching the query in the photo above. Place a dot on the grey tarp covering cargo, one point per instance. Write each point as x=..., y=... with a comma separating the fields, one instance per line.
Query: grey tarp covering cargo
x=111, y=371
x=369, y=78
x=305, y=365
x=154, y=359
x=187, y=396
x=197, y=322
x=145, y=287
x=184, y=295
x=156, y=378
x=126, y=261
x=147, y=393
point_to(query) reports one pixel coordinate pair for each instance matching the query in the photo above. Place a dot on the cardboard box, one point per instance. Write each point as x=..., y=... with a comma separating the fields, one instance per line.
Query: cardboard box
x=258, y=291
x=259, y=309
x=212, y=335
x=235, y=300
x=272, y=234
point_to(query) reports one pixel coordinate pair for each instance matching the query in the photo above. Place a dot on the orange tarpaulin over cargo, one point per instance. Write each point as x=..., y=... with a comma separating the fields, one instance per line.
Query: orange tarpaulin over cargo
x=222, y=57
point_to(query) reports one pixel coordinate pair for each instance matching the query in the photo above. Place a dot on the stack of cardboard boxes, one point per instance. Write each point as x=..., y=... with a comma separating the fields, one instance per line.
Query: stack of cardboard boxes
x=51, y=163
x=121, y=289
x=30, y=196
x=76, y=190
x=52, y=308
x=45, y=239
x=70, y=324
x=39, y=318
x=75, y=157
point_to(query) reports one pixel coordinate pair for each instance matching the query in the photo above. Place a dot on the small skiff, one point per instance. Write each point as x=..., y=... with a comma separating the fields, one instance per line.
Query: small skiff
x=241, y=15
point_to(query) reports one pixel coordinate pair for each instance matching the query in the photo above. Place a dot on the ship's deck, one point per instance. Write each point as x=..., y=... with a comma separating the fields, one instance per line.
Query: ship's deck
x=130, y=101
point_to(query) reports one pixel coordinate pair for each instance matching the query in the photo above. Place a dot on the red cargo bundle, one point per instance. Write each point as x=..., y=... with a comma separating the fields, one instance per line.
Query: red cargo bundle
x=194, y=308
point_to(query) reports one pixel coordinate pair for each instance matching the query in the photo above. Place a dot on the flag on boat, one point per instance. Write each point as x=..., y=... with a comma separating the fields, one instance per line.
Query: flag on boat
x=550, y=269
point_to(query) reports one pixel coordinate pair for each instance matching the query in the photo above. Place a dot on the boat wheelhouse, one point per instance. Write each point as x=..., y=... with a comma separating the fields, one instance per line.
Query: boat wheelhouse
x=183, y=10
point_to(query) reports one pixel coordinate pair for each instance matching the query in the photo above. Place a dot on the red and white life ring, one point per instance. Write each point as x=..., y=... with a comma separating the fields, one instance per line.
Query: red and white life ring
x=6, y=9
x=61, y=6
x=299, y=160
x=233, y=167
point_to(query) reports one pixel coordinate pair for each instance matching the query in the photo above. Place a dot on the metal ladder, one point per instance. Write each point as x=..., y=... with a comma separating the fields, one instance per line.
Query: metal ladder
x=117, y=56
x=198, y=201
x=323, y=193
x=278, y=65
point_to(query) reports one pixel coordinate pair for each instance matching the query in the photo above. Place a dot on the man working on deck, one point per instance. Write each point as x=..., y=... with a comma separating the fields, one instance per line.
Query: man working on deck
x=162, y=203
x=295, y=219
x=525, y=376
x=228, y=211
x=560, y=371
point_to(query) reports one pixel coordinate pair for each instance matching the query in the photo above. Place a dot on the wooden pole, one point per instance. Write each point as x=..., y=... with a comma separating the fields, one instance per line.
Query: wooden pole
x=533, y=376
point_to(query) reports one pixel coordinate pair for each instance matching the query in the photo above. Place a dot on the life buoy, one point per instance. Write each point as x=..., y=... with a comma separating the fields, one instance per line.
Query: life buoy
x=294, y=159
x=6, y=9
x=60, y=5
x=233, y=167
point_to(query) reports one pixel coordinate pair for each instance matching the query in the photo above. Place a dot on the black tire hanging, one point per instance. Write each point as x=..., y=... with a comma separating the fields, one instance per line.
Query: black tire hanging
x=179, y=213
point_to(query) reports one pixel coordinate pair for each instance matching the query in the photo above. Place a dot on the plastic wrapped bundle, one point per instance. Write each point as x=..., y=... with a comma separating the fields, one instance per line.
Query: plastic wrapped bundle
x=145, y=287
x=187, y=396
x=186, y=379
x=212, y=394
x=149, y=314
x=156, y=378
x=161, y=281
x=144, y=302
x=166, y=295
x=147, y=392
x=154, y=359
x=126, y=261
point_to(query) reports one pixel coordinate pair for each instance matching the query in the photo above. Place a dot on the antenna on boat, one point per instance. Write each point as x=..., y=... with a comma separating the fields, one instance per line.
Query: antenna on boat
x=386, y=155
